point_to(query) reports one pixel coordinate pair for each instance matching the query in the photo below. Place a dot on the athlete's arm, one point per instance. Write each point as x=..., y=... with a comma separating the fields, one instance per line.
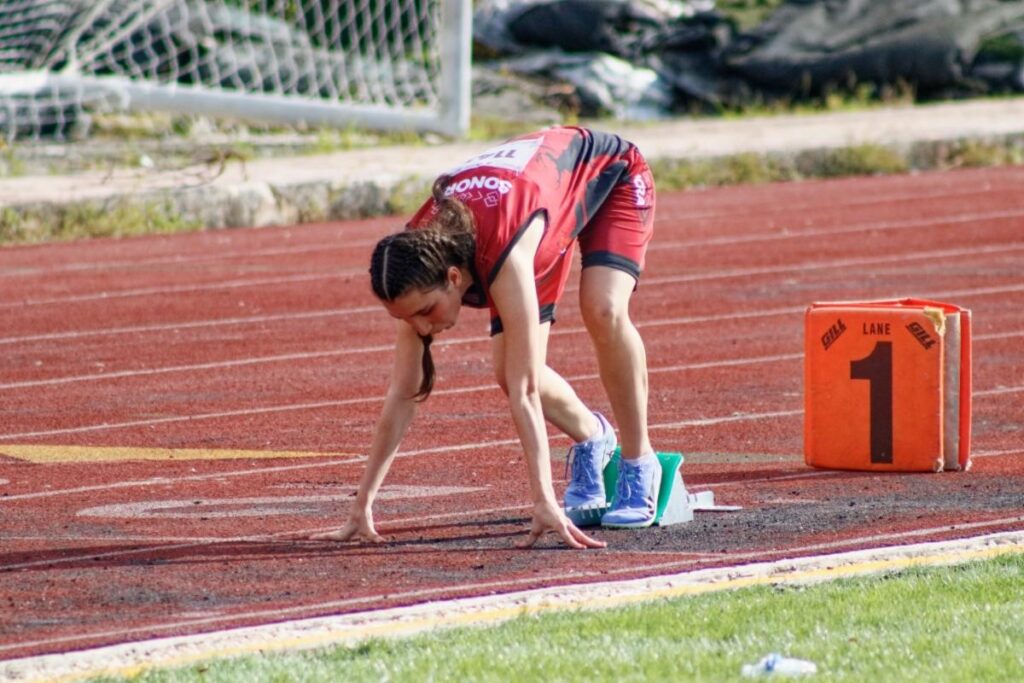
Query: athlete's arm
x=515, y=296
x=396, y=415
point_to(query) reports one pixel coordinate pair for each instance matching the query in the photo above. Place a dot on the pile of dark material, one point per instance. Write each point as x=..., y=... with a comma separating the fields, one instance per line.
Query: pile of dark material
x=651, y=58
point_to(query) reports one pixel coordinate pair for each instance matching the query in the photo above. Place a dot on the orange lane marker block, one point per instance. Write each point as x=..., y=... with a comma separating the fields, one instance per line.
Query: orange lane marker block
x=887, y=386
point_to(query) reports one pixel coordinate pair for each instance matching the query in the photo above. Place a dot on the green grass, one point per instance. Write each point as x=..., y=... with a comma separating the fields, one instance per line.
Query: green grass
x=964, y=623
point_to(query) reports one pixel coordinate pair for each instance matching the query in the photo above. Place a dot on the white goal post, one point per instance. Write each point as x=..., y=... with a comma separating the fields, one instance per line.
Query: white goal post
x=378, y=64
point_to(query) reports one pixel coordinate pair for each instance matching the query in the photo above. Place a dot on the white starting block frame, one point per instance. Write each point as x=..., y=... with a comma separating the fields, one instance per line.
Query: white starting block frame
x=676, y=505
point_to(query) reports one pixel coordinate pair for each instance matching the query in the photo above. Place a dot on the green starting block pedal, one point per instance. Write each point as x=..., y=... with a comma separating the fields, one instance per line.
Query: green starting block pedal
x=675, y=504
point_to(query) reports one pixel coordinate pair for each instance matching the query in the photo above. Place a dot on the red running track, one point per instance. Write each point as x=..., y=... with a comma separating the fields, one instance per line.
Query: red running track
x=222, y=386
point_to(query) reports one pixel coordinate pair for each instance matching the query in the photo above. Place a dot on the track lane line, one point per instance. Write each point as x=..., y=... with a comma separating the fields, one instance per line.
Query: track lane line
x=696, y=422
x=184, y=289
x=838, y=264
x=339, y=243
x=134, y=264
x=784, y=233
x=742, y=209
x=340, y=312
x=172, y=481
x=186, y=325
x=181, y=289
x=436, y=450
x=384, y=348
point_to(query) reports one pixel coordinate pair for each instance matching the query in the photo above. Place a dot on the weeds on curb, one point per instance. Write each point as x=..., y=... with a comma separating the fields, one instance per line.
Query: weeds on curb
x=124, y=218
x=86, y=220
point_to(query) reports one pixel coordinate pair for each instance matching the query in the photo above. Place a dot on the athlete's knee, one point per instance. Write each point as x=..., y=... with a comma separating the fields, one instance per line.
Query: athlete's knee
x=604, y=316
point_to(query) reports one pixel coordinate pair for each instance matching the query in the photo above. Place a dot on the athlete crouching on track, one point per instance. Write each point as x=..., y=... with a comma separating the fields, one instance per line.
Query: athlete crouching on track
x=499, y=232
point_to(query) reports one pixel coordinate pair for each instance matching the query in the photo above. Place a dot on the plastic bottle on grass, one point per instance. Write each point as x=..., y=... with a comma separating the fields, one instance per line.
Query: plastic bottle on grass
x=777, y=665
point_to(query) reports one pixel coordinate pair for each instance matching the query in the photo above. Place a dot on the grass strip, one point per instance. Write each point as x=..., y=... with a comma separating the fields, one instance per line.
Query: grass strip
x=938, y=624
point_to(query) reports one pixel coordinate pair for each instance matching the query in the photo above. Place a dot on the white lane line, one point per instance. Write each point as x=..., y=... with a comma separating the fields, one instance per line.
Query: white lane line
x=352, y=401
x=320, y=405
x=343, y=241
x=106, y=540
x=433, y=450
x=717, y=275
x=184, y=289
x=204, y=507
x=133, y=264
x=998, y=391
x=725, y=419
x=486, y=586
x=188, y=325
x=385, y=348
x=240, y=362
x=436, y=450
x=339, y=312
x=168, y=481
x=578, y=378
x=994, y=454
x=143, y=329
x=743, y=209
x=799, y=310
x=174, y=481
x=785, y=233
x=311, y=355
x=186, y=418
x=839, y=264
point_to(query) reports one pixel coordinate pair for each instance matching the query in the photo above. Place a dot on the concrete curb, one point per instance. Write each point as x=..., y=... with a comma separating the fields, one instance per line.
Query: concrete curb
x=372, y=182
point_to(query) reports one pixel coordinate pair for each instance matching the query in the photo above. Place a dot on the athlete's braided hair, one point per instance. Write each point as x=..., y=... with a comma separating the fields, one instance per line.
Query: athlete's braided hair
x=419, y=259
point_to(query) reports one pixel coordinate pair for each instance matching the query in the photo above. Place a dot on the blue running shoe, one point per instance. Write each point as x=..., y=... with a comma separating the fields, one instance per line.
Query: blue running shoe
x=587, y=460
x=636, y=494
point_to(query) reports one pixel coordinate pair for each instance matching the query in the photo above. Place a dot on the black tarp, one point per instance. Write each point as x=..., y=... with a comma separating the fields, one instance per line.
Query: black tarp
x=931, y=45
x=932, y=48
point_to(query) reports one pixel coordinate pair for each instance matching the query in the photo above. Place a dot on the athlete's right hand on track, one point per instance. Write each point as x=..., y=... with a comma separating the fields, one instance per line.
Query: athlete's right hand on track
x=359, y=527
x=549, y=518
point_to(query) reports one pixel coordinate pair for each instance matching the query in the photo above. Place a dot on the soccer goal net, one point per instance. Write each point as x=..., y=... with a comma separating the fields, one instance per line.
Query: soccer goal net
x=380, y=64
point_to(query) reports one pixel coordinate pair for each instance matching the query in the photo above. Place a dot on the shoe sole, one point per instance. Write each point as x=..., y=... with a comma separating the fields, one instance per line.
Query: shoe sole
x=586, y=516
x=628, y=525
x=601, y=502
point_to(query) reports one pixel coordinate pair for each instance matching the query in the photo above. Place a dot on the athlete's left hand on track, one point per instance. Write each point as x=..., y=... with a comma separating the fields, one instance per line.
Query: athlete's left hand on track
x=548, y=518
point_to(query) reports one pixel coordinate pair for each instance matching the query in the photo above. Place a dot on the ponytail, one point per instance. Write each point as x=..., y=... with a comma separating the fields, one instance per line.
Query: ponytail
x=420, y=258
x=427, y=383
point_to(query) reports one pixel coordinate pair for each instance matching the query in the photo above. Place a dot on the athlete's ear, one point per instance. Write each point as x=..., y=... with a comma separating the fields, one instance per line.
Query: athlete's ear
x=454, y=276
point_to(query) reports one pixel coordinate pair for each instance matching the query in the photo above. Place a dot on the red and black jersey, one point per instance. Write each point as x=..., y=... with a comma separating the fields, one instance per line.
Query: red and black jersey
x=563, y=174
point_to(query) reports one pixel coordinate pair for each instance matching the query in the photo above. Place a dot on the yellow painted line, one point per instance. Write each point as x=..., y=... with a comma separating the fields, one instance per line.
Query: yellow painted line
x=450, y=616
x=48, y=454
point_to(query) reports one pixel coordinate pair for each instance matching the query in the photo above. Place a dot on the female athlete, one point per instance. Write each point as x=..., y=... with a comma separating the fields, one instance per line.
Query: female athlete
x=499, y=232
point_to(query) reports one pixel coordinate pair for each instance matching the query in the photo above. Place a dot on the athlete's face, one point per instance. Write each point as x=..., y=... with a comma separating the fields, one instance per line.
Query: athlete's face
x=430, y=311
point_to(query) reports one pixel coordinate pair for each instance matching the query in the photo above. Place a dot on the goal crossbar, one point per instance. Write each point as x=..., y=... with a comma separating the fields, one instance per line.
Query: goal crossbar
x=445, y=108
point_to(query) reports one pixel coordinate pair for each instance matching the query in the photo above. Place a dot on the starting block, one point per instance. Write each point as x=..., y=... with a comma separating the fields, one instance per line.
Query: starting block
x=887, y=386
x=675, y=504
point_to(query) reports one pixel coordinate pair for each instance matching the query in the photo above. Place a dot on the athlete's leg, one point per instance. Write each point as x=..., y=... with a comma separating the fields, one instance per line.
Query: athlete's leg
x=613, y=245
x=562, y=407
x=593, y=437
x=622, y=360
